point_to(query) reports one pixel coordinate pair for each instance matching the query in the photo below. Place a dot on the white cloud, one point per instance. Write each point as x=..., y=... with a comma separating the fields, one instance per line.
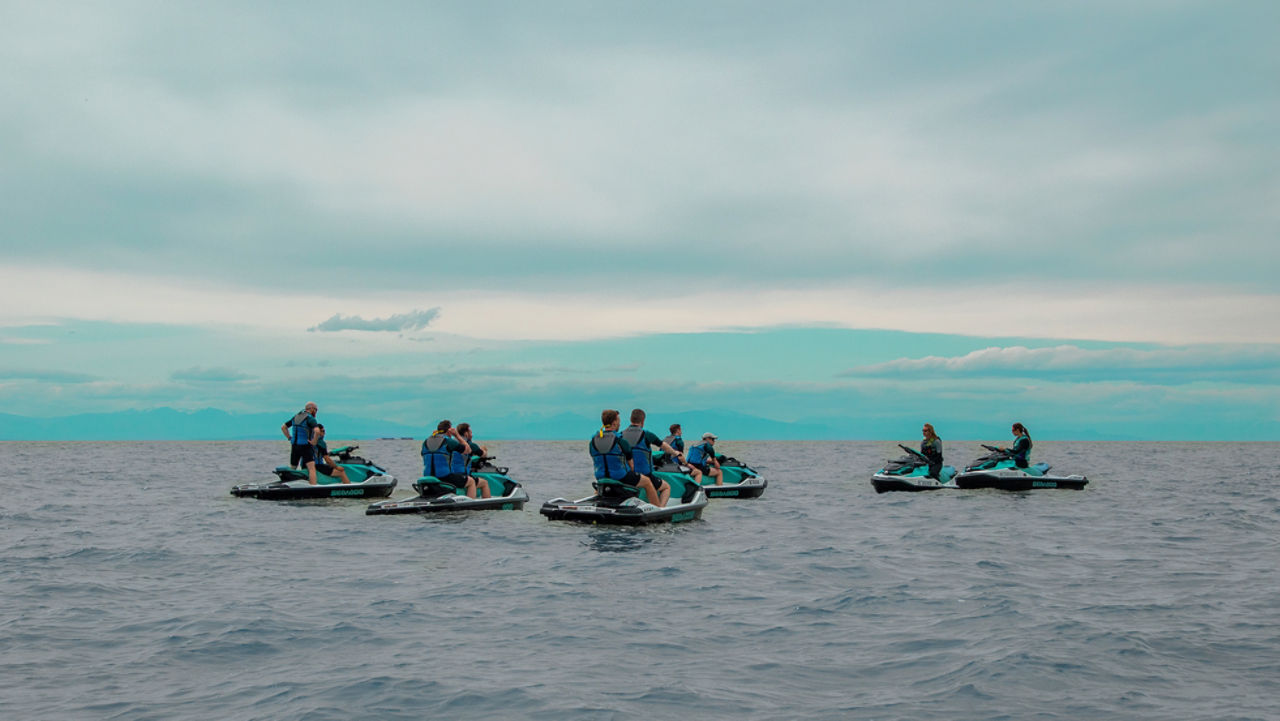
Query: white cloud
x=1207, y=363
x=411, y=321
x=1033, y=310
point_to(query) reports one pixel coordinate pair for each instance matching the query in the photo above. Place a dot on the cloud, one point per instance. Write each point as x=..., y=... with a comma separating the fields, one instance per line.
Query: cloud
x=413, y=320
x=46, y=376
x=1070, y=362
x=210, y=375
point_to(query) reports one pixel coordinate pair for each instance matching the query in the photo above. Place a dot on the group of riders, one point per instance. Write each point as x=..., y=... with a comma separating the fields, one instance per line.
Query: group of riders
x=626, y=456
x=449, y=453
x=307, y=446
x=931, y=448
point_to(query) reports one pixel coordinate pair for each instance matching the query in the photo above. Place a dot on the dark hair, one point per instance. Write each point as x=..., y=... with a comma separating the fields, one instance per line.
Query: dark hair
x=463, y=428
x=608, y=416
x=637, y=416
x=444, y=426
x=674, y=427
x=1020, y=427
x=320, y=426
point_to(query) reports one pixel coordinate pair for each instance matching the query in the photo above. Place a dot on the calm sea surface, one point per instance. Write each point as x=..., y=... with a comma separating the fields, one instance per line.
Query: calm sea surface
x=132, y=586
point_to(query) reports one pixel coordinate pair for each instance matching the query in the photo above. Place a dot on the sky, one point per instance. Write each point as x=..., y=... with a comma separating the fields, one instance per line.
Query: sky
x=849, y=216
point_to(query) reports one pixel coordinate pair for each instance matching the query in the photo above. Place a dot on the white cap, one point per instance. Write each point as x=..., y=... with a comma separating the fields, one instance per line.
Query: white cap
x=712, y=436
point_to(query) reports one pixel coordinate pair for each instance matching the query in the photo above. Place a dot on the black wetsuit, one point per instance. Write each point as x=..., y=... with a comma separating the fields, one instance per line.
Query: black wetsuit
x=1021, y=451
x=932, y=451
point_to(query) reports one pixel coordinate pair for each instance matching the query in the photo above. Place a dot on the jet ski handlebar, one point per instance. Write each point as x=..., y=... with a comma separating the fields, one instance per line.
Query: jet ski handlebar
x=913, y=452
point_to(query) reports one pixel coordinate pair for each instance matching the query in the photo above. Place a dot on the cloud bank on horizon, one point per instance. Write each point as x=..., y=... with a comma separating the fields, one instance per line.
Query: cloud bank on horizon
x=1072, y=203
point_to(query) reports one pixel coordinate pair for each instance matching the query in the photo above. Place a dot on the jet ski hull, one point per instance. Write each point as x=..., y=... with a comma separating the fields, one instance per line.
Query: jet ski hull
x=617, y=505
x=512, y=498
x=1007, y=479
x=603, y=511
x=884, y=483
x=374, y=487
x=368, y=480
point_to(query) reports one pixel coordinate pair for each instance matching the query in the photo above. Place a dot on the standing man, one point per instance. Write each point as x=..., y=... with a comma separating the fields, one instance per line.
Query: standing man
x=612, y=457
x=301, y=432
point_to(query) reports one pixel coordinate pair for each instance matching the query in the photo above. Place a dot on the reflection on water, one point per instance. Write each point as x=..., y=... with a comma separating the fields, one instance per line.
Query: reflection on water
x=617, y=540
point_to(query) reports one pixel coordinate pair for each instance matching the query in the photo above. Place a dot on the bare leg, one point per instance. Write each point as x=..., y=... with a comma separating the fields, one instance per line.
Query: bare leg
x=483, y=484
x=311, y=472
x=697, y=475
x=341, y=472
x=718, y=474
x=665, y=493
x=471, y=487
x=650, y=492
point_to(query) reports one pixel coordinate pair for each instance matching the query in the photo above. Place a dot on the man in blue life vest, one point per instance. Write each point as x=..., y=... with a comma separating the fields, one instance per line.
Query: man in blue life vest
x=676, y=441
x=465, y=462
x=301, y=432
x=325, y=464
x=478, y=453
x=612, y=458
x=641, y=442
x=703, y=457
x=440, y=454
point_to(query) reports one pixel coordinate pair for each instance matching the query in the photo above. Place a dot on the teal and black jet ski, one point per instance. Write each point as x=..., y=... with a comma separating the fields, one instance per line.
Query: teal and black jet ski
x=911, y=473
x=740, y=480
x=618, y=504
x=368, y=480
x=434, y=495
x=997, y=469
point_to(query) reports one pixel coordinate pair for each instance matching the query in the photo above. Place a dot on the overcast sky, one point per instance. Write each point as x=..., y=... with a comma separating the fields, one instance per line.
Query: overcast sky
x=1068, y=207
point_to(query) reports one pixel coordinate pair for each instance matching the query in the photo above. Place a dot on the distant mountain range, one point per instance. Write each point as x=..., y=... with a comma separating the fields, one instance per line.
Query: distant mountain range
x=213, y=424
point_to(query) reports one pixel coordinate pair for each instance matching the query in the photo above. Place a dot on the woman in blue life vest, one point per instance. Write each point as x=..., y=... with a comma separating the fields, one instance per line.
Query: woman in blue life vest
x=438, y=458
x=611, y=458
x=931, y=449
x=703, y=457
x=1021, y=450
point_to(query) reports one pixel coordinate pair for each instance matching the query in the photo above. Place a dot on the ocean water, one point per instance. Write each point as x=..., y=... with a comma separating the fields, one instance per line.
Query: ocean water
x=135, y=587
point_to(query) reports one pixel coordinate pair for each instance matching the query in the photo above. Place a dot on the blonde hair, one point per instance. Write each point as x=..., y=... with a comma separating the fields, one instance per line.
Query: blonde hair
x=928, y=430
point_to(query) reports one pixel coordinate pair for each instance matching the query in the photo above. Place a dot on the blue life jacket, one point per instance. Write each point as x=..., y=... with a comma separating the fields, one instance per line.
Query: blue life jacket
x=698, y=454
x=640, y=457
x=435, y=457
x=459, y=462
x=301, y=433
x=606, y=455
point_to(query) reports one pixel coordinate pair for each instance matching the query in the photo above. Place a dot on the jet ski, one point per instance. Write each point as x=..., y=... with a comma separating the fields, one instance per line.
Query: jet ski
x=435, y=495
x=910, y=473
x=740, y=480
x=619, y=504
x=368, y=480
x=997, y=470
